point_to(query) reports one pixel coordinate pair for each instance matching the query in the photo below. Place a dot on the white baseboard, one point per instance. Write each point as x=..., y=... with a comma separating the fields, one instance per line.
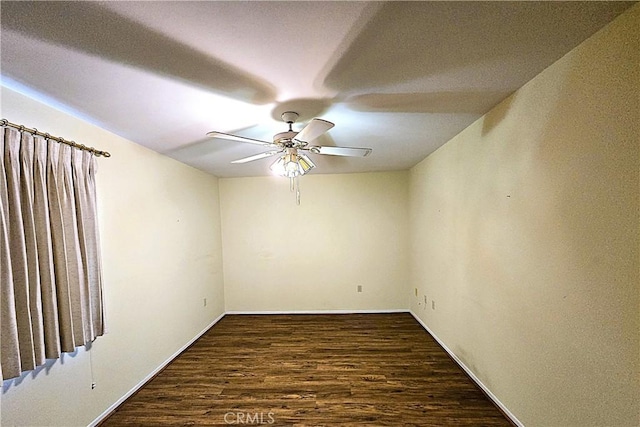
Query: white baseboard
x=152, y=374
x=470, y=373
x=398, y=310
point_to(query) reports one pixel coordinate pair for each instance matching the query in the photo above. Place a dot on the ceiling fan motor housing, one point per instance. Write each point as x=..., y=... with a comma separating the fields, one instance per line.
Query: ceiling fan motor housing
x=285, y=138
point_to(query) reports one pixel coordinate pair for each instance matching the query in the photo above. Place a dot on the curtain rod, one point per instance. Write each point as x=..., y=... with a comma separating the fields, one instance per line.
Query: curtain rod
x=34, y=131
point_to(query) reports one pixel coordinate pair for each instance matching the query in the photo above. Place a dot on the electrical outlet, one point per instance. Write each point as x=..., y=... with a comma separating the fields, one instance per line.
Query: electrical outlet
x=359, y=288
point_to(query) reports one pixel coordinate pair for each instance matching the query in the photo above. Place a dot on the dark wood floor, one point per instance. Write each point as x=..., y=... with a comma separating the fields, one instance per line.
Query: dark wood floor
x=312, y=370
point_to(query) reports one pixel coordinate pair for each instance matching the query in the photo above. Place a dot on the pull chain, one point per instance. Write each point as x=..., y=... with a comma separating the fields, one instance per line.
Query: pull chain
x=294, y=185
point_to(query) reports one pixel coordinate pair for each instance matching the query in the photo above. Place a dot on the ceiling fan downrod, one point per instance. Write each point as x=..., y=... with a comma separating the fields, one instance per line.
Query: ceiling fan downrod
x=290, y=118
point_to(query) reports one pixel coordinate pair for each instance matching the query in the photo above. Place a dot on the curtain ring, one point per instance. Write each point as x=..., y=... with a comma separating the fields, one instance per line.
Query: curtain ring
x=4, y=122
x=35, y=132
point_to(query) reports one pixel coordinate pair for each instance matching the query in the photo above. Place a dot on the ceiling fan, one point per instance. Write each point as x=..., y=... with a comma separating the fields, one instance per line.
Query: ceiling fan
x=292, y=145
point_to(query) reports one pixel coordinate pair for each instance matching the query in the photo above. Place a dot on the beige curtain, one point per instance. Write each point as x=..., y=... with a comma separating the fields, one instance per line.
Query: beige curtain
x=51, y=296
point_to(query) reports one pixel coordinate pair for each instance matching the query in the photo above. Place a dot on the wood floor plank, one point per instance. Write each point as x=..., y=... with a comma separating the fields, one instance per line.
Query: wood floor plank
x=311, y=370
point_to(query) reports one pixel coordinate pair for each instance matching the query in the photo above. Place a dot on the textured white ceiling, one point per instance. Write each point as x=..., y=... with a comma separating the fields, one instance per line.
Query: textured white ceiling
x=399, y=77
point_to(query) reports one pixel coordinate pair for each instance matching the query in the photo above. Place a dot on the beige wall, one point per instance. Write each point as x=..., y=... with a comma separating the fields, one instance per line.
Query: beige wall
x=161, y=246
x=525, y=233
x=349, y=230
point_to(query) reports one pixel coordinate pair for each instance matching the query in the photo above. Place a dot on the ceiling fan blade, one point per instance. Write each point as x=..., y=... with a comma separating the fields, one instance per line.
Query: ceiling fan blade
x=341, y=151
x=221, y=135
x=257, y=156
x=313, y=129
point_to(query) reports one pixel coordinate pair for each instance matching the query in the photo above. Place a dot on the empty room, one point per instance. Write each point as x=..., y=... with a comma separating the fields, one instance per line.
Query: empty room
x=318, y=213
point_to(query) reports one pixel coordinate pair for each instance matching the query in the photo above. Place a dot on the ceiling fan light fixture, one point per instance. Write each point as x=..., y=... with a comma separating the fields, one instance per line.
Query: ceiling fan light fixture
x=292, y=165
